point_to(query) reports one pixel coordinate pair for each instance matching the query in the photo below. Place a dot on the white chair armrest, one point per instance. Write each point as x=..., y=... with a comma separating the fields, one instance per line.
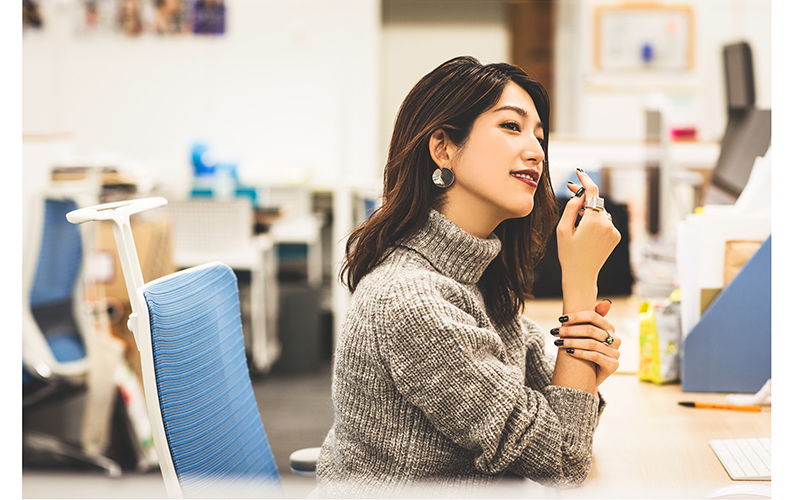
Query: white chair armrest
x=303, y=461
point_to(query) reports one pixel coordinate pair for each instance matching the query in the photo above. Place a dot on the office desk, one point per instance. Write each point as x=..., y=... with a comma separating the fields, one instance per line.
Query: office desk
x=647, y=446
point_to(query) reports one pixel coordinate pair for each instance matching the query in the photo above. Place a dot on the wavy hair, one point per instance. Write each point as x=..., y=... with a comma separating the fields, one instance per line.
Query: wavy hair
x=451, y=97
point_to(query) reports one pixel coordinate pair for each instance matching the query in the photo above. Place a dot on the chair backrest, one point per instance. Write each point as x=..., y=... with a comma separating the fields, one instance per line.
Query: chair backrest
x=193, y=355
x=60, y=255
x=210, y=226
x=53, y=326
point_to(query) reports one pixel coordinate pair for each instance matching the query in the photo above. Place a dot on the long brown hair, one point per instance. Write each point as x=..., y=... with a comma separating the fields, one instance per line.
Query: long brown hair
x=450, y=98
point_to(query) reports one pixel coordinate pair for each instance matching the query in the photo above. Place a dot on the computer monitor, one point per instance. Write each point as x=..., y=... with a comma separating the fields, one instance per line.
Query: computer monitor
x=748, y=132
x=739, y=76
x=748, y=135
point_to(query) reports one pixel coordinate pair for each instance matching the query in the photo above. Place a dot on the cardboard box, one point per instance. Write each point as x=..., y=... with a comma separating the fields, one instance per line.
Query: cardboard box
x=736, y=254
x=153, y=240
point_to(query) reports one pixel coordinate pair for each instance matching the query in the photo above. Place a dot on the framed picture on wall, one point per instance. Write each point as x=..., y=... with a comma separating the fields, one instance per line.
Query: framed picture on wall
x=130, y=17
x=170, y=17
x=96, y=17
x=31, y=15
x=208, y=17
x=644, y=36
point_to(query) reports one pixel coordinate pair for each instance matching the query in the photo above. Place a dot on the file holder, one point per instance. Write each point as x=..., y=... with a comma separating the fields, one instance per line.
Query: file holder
x=729, y=349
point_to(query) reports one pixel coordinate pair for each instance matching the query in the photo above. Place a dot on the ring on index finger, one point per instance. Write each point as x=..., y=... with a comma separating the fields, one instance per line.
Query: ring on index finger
x=594, y=202
x=609, y=340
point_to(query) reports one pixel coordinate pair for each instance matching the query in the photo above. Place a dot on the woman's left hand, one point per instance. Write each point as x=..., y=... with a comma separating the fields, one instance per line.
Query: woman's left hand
x=588, y=335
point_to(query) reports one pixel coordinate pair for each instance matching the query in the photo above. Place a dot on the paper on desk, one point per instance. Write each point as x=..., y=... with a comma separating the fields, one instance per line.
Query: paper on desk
x=756, y=195
x=700, y=253
x=701, y=240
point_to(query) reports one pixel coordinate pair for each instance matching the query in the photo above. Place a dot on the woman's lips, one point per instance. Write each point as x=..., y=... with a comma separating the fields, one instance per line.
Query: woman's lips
x=528, y=177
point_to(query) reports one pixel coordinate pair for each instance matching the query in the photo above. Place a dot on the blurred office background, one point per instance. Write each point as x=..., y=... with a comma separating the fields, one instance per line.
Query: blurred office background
x=277, y=113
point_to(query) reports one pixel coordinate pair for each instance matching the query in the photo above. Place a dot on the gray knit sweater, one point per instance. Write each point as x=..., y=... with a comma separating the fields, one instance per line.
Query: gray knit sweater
x=428, y=393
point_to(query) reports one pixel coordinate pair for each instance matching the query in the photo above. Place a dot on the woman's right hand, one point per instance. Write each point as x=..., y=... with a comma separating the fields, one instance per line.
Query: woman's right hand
x=586, y=335
x=583, y=250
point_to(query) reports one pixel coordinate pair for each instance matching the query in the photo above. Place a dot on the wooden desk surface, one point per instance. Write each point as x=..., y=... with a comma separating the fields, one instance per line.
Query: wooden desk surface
x=647, y=446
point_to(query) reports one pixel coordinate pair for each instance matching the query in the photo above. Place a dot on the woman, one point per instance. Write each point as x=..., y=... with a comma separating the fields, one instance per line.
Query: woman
x=438, y=382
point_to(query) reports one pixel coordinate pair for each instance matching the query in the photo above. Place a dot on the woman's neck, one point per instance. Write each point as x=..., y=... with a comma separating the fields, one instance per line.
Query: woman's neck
x=466, y=216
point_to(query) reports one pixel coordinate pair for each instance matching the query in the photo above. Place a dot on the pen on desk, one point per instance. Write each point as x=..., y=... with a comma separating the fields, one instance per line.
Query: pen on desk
x=693, y=404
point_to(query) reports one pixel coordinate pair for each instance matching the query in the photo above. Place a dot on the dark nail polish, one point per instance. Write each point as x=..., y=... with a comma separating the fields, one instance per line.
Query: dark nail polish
x=559, y=342
x=563, y=319
x=580, y=192
x=608, y=300
x=555, y=331
x=579, y=169
x=570, y=350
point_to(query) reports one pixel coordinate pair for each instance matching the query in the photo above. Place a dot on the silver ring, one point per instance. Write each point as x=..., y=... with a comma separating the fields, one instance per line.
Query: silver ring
x=594, y=202
x=609, y=216
x=609, y=340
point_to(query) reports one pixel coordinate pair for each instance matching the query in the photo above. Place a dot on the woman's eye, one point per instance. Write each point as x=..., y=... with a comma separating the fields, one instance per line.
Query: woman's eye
x=512, y=126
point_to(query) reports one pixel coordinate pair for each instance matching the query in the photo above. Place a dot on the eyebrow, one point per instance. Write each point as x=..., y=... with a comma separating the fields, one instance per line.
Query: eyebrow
x=518, y=110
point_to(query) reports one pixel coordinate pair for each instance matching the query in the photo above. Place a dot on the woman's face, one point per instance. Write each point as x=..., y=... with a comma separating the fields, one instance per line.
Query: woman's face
x=497, y=171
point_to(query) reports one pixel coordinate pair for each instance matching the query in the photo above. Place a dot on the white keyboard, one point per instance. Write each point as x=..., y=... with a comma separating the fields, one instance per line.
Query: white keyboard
x=745, y=459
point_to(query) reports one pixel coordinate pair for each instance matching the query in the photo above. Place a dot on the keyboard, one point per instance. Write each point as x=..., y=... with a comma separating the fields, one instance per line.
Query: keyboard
x=745, y=459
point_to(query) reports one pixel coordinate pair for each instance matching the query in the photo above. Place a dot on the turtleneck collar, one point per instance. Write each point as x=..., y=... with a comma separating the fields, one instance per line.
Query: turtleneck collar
x=451, y=250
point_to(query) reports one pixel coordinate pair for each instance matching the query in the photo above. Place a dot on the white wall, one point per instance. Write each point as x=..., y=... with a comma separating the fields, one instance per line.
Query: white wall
x=611, y=105
x=291, y=90
x=419, y=35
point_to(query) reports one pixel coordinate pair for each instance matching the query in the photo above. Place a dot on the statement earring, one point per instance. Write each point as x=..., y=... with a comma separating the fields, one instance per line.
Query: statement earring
x=443, y=177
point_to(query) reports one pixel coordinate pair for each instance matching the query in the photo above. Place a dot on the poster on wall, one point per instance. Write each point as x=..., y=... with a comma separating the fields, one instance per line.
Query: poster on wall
x=208, y=17
x=31, y=15
x=130, y=17
x=93, y=17
x=643, y=36
x=157, y=17
x=170, y=17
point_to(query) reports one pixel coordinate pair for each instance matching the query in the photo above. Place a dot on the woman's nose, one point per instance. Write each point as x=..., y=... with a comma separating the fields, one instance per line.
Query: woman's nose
x=533, y=151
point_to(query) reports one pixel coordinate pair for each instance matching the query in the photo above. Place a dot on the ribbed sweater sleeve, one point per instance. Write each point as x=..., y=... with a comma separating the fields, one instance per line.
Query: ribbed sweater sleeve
x=460, y=376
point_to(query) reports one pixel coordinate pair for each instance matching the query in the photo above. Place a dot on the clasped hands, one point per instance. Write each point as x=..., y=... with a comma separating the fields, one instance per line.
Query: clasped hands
x=584, y=335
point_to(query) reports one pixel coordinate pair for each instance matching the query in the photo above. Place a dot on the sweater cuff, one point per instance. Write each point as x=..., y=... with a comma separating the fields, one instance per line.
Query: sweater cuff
x=601, y=403
x=577, y=411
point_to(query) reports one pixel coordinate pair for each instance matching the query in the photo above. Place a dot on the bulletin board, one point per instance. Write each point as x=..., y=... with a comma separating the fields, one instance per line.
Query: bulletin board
x=640, y=36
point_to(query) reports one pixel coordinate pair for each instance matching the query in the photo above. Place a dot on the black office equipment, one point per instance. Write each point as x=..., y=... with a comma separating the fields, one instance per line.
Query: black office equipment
x=748, y=132
x=616, y=277
x=739, y=76
x=748, y=135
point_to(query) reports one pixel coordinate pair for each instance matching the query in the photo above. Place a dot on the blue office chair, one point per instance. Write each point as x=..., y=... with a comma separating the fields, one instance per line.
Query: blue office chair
x=52, y=342
x=56, y=328
x=206, y=426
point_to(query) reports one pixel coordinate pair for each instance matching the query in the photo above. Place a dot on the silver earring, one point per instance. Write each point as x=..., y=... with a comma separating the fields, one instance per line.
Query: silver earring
x=443, y=177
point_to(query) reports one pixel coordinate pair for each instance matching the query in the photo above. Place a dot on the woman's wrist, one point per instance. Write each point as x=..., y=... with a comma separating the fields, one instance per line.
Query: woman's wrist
x=578, y=295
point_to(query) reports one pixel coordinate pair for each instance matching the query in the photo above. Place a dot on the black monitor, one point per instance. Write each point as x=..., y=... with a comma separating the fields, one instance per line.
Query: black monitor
x=748, y=132
x=739, y=76
x=748, y=135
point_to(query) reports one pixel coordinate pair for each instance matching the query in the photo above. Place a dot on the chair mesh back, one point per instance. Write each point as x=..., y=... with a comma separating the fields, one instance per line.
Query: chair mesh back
x=210, y=226
x=211, y=418
x=57, y=270
x=60, y=255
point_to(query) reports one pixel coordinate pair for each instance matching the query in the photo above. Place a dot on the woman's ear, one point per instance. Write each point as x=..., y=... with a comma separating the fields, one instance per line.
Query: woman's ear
x=441, y=148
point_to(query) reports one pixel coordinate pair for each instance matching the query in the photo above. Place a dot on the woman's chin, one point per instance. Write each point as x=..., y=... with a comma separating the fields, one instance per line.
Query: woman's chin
x=520, y=212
